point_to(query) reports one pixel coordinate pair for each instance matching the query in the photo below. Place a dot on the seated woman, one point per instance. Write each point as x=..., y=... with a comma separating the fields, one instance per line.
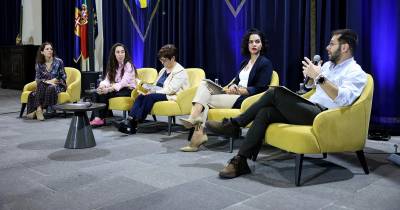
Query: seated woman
x=171, y=80
x=120, y=80
x=253, y=78
x=50, y=80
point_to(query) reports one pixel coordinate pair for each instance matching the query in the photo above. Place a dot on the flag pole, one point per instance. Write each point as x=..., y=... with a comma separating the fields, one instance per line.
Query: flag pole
x=91, y=34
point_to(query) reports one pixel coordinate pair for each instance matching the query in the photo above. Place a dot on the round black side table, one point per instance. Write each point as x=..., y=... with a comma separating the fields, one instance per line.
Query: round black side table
x=80, y=134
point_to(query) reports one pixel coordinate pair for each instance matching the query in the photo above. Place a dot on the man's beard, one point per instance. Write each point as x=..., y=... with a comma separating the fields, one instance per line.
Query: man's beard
x=335, y=56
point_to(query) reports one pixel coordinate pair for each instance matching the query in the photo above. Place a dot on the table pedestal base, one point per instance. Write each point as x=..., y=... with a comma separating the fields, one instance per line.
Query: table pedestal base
x=80, y=134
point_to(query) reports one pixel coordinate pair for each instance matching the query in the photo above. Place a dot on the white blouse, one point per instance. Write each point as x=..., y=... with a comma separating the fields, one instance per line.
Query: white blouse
x=244, y=78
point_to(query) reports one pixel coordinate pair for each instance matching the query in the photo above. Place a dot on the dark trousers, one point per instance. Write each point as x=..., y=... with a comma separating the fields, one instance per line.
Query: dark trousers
x=276, y=105
x=44, y=96
x=103, y=98
x=143, y=105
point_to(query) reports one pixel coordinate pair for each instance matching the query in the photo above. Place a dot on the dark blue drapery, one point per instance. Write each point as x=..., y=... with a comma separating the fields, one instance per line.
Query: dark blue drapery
x=10, y=11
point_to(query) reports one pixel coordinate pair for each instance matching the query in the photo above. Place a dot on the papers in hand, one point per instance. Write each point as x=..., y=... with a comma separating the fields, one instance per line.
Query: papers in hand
x=146, y=88
x=213, y=87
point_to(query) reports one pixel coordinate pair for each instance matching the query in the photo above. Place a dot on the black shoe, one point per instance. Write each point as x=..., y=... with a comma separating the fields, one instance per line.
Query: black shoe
x=128, y=127
x=237, y=166
x=226, y=127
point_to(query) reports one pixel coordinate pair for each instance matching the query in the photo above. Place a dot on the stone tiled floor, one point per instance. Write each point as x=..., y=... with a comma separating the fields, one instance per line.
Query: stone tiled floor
x=147, y=171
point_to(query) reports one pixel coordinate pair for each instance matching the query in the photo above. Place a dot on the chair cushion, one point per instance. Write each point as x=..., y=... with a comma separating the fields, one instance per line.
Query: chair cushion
x=120, y=103
x=292, y=138
x=166, y=108
x=219, y=114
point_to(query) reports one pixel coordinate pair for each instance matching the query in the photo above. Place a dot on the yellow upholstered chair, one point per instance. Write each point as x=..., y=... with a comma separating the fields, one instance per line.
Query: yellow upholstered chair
x=342, y=129
x=220, y=114
x=183, y=103
x=72, y=94
x=145, y=75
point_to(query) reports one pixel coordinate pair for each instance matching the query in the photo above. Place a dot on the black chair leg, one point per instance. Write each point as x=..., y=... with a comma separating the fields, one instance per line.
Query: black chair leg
x=231, y=139
x=174, y=120
x=169, y=125
x=154, y=118
x=23, y=105
x=324, y=155
x=361, y=158
x=299, y=166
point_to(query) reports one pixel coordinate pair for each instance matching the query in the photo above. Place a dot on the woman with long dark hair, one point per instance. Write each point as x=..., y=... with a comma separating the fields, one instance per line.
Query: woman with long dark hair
x=50, y=79
x=120, y=80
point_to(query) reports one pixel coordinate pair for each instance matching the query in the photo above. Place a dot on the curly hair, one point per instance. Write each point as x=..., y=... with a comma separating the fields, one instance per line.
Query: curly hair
x=244, y=49
x=39, y=56
x=112, y=63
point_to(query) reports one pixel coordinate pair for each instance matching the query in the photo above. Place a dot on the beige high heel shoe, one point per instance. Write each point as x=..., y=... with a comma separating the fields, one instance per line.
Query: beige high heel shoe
x=195, y=143
x=191, y=122
x=31, y=115
x=39, y=115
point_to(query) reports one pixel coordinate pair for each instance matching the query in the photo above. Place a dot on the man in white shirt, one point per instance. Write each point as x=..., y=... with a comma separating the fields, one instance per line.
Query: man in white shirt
x=339, y=82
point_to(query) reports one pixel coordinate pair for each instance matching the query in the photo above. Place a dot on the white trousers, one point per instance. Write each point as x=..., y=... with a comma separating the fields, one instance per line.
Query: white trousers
x=205, y=97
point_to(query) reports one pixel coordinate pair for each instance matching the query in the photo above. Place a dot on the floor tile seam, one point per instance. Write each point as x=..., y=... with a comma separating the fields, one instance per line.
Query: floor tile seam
x=334, y=204
x=229, y=188
x=239, y=203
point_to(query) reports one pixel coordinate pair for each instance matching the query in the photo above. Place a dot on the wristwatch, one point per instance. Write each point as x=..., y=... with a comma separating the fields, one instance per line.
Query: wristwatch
x=321, y=80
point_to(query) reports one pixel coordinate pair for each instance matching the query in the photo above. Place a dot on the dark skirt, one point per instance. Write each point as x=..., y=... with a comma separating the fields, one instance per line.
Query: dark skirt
x=44, y=96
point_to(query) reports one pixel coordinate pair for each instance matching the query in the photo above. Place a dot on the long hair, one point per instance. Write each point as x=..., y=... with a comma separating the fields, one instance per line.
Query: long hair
x=112, y=63
x=244, y=49
x=39, y=56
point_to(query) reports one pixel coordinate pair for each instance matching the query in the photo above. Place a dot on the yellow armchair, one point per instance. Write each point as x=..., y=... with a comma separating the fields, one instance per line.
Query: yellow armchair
x=72, y=94
x=145, y=75
x=220, y=114
x=183, y=103
x=342, y=129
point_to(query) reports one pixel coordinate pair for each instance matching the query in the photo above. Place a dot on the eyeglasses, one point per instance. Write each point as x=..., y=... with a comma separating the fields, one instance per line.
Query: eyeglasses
x=163, y=60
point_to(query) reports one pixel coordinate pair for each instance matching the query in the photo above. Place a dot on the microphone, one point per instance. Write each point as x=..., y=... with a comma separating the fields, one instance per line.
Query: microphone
x=315, y=61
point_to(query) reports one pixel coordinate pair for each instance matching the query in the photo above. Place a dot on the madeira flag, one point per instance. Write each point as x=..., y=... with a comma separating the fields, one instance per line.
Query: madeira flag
x=81, y=28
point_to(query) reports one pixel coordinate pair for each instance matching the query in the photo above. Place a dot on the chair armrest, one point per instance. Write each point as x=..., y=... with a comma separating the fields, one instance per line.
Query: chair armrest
x=74, y=90
x=250, y=101
x=134, y=94
x=184, y=99
x=30, y=86
x=308, y=94
x=341, y=129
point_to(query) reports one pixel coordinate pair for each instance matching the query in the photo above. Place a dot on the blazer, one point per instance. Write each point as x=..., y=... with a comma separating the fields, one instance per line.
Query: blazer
x=259, y=78
x=176, y=82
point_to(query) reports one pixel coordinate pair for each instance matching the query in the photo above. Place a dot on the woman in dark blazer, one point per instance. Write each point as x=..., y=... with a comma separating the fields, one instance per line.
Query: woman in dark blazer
x=253, y=78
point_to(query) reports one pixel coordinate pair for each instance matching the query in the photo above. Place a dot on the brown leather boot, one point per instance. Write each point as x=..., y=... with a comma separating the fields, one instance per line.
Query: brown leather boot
x=237, y=166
